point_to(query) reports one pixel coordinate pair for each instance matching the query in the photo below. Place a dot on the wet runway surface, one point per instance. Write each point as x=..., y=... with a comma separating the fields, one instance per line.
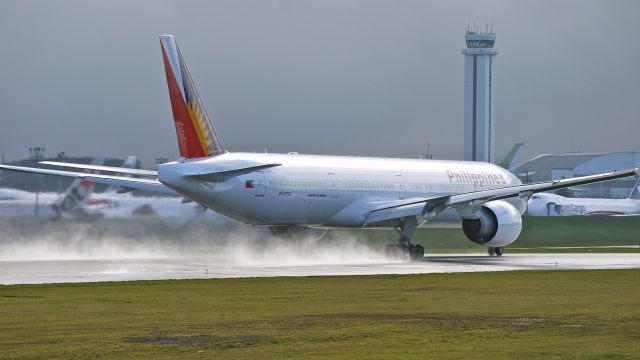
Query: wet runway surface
x=194, y=267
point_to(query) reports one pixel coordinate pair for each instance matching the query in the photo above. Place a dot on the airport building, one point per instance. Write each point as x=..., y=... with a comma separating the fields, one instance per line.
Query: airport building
x=479, y=96
x=548, y=167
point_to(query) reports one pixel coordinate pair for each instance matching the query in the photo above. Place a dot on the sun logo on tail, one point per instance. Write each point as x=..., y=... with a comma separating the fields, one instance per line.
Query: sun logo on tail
x=205, y=135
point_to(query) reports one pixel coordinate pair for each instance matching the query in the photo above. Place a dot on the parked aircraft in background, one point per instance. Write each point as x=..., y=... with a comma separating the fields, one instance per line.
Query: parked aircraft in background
x=19, y=203
x=78, y=201
x=75, y=199
x=287, y=192
x=546, y=204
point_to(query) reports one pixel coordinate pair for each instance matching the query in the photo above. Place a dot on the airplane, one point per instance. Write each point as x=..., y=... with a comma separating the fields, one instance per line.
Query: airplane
x=73, y=201
x=291, y=191
x=76, y=198
x=19, y=203
x=546, y=204
x=77, y=201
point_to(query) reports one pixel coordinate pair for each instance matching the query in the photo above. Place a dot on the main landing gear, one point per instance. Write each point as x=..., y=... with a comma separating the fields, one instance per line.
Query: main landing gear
x=411, y=251
x=496, y=251
x=405, y=249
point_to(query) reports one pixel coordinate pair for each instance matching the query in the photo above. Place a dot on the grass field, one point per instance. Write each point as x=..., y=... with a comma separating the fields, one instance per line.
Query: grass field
x=536, y=232
x=513, y=315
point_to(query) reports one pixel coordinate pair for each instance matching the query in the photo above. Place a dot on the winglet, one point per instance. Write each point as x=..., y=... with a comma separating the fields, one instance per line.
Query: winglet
x=195, y=132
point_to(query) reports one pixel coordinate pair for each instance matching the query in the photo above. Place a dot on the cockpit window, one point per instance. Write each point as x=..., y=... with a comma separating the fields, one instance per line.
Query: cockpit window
x=535, y=197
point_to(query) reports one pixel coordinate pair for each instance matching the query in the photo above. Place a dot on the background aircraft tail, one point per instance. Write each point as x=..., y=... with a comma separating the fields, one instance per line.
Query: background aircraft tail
x=76, y=196
x=196, y=136
x=129, y=163
x=508, y=160
x=635, y=193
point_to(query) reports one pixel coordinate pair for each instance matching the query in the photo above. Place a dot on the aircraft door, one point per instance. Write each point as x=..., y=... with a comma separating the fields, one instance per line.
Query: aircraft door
x=551, y=209
x=402, y=191
x=333, y=186
x=261, y=186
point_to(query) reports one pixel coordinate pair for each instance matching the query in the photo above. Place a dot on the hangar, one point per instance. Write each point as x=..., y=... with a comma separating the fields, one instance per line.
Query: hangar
x=548, y=167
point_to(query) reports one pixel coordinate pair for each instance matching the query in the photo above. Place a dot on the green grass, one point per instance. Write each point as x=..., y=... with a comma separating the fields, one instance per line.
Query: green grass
x=509, y=315
x=580, y=231
x=536, y=232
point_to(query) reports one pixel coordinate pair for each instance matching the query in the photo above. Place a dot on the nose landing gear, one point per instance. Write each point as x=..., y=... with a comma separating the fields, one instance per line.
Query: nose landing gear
x=495, y=251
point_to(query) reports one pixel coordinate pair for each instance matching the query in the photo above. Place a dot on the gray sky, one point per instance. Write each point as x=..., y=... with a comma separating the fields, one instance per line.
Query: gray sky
x=330, y=77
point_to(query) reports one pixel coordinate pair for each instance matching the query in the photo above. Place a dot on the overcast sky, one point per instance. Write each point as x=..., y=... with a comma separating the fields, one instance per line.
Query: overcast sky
x=330, y=77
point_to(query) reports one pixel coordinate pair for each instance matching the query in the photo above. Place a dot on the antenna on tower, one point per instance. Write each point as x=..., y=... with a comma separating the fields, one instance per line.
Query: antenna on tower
x=429, y=155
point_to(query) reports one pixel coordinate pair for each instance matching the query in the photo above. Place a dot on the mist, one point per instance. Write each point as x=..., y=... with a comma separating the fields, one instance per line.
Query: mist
x=146, y=238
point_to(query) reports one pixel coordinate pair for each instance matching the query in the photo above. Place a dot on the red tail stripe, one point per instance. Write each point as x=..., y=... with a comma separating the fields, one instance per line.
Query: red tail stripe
x=188, y=141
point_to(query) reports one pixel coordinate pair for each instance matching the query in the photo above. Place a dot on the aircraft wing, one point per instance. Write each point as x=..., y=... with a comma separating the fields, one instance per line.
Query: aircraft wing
x=429, y=207
x=122, y=181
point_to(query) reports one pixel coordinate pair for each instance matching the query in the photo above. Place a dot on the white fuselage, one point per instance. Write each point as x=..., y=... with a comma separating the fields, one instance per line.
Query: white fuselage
x=325, y=191
x=546, y=204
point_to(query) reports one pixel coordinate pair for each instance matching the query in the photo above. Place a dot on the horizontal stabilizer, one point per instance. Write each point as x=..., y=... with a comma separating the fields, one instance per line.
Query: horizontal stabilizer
x=122, y=170
x=127, y=182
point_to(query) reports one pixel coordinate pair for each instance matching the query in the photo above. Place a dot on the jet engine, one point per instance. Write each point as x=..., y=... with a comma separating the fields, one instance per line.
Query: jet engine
x=497, y=223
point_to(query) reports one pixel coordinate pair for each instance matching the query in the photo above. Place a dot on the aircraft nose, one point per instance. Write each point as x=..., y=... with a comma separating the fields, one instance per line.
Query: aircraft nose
x=534, y=207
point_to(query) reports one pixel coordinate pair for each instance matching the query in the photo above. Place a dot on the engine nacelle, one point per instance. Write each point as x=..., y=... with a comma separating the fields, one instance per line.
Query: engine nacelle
x=497, y=223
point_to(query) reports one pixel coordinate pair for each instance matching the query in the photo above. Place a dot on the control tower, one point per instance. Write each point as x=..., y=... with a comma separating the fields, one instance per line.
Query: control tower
x=479, y=96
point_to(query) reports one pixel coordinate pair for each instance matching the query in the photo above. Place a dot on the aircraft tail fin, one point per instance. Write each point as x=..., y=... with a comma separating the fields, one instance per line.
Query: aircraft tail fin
x=635, y=193
x=130, y=162
x=195, y=132
x=507, y=161
x=77, y=194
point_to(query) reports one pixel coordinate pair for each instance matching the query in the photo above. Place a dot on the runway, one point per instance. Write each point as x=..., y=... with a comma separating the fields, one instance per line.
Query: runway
x=190, y=267
x=34, y=251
